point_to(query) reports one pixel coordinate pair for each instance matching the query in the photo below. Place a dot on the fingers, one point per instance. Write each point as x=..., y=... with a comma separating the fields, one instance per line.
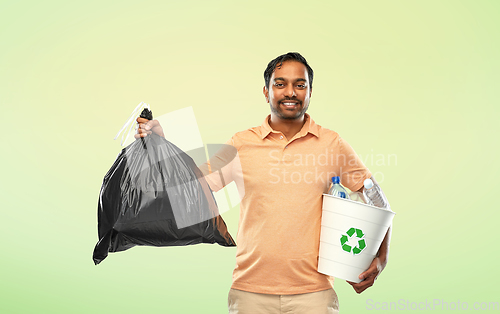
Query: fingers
x=147, y=126
x=139, y=135
x=155, y=126
x=151, y=123
x=367, y=273
x=367, y=276
x=142, y=132
x=141, y=120
x=143, y=128
x=363, y=285
x=375, y=268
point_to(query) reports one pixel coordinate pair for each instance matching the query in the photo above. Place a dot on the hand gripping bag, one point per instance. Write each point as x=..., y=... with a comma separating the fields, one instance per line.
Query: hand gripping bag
x=155, y=195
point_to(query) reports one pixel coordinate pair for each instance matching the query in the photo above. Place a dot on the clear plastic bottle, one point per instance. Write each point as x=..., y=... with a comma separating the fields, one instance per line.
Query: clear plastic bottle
x=336, y=189
x=374, y=195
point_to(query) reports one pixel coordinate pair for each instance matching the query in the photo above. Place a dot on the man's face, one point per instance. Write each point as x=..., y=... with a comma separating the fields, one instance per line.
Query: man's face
x=288, y=93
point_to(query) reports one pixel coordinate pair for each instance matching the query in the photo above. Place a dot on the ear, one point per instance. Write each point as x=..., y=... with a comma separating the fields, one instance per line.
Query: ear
x=310, y=92
x=266, y=93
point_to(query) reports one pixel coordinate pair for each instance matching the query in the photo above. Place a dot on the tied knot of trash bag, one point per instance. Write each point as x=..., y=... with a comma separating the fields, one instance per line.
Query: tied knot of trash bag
x=147, y=114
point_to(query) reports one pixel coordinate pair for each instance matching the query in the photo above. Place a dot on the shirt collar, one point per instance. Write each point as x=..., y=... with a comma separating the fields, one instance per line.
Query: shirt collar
x=309, y=127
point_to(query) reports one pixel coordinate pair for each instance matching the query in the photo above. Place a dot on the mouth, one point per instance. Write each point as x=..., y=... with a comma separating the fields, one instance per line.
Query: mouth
x=288, y=104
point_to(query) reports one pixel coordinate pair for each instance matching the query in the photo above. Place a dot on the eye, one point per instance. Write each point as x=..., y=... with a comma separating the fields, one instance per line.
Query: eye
x=301, y=86
x=278, y=84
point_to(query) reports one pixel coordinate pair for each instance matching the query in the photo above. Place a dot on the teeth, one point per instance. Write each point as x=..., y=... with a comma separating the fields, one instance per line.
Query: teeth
x=289, y=104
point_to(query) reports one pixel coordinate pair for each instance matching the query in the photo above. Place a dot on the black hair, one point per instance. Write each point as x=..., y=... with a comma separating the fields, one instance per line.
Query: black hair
x=294, y=56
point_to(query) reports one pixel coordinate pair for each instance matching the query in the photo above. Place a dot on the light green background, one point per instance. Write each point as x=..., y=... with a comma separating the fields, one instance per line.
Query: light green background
x=414, y=79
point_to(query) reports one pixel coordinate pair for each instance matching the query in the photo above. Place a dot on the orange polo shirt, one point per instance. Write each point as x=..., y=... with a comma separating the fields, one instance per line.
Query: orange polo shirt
x=281, y=183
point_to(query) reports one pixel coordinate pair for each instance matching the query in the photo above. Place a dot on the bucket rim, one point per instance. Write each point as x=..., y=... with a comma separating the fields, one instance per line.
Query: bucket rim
x=358, y=203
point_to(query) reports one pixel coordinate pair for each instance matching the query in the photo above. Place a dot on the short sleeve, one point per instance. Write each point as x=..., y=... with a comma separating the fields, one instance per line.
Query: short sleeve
x=353, y=170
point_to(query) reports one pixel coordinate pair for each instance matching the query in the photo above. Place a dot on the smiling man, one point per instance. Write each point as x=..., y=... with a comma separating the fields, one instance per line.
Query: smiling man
x=288, y=90
x=286, y=166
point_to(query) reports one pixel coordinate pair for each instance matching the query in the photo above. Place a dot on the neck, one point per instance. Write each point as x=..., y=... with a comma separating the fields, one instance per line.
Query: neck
x=288, y=127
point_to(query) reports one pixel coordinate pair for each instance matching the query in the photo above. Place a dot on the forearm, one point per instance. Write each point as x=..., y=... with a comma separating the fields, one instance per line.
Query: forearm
x=383, y=251
x=219, y=170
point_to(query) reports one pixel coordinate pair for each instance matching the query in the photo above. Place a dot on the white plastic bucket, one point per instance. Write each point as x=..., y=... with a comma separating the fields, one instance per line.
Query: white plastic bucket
x=351, y=234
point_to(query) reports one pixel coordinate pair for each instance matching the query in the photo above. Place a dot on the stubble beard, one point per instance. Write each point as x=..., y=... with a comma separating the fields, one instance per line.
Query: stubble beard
x=279, y=112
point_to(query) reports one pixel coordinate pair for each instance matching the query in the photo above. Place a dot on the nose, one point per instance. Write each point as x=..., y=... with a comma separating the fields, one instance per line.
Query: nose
x=290, y=91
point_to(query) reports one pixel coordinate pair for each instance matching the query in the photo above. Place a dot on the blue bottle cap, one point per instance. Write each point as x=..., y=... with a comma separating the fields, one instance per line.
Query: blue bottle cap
x=335, y=180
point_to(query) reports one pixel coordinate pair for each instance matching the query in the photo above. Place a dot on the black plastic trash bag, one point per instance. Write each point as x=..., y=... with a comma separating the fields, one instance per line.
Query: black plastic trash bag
x=155, y=195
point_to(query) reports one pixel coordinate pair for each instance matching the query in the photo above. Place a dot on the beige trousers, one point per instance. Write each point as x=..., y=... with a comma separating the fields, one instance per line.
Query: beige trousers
x=321, y=302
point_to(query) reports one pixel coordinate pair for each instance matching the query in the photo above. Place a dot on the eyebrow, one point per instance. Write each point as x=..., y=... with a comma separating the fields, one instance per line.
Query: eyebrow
x=283, y=79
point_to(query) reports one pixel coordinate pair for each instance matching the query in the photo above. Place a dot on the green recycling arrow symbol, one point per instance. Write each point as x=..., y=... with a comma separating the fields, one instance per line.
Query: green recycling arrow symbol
x=349, y=244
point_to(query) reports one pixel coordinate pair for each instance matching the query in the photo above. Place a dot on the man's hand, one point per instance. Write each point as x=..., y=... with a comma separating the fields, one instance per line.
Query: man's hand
x=147, y=127
x=369, y=276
